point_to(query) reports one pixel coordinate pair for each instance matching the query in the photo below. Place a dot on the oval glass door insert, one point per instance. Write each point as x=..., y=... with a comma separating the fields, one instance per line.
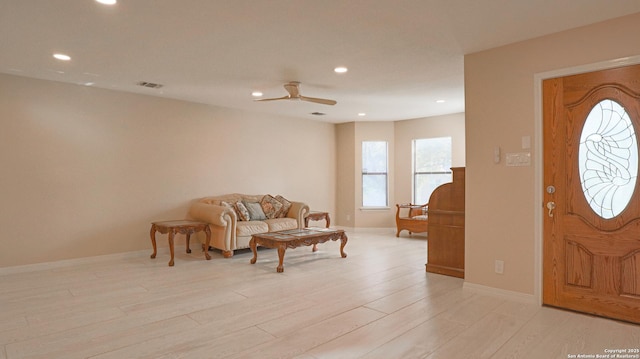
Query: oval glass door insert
x=608, y=159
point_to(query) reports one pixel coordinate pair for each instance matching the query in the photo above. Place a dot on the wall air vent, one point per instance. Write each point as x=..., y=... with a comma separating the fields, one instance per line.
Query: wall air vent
x=150, y=85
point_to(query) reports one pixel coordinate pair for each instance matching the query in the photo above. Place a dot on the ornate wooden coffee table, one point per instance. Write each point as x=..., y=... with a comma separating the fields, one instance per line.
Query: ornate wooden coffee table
x=185, y=227
x=295, y=238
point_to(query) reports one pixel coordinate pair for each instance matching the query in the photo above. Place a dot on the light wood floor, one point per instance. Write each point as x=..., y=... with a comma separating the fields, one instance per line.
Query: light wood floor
x=376, y=303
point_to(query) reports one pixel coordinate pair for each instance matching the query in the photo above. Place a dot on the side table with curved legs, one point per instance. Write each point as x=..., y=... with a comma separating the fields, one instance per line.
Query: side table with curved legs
x=185, y=227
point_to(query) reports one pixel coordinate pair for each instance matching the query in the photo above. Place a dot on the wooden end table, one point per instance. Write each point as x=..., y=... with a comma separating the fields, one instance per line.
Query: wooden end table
x=294, y=238
x=317, y=216
x=185, y=227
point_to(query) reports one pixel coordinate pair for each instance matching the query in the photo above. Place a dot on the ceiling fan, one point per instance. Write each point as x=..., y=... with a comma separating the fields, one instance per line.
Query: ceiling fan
x=293, y=88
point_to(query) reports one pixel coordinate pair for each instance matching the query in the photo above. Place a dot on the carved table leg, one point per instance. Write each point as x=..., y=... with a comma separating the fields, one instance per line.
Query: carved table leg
x=171, y=234
x=188, y=235
x=343, y=242
x=327, y=219
x=252, y=244
x=207, y=231
x=153, y=241
x=281, y=250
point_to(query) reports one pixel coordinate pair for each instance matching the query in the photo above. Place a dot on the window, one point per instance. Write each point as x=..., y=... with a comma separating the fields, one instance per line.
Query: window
x=431, y=166
x=374, y=174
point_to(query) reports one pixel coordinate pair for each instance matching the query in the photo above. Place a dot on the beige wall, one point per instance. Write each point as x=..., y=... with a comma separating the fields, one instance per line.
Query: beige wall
x=346, y=185
x=85, y=170
x=501, y=205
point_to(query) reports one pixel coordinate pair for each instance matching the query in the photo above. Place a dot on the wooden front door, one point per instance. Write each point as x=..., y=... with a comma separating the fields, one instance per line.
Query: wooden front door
x=591, y=246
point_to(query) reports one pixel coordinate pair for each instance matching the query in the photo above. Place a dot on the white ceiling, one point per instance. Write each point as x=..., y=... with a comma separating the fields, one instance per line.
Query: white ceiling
x=402, y=55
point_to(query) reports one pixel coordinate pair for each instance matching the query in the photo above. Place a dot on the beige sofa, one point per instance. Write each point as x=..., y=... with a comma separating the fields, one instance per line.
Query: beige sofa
x=232, y=227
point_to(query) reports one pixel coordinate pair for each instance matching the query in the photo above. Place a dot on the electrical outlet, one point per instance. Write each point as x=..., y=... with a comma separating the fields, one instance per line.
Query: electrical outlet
x=499, y=266
x=348, y=217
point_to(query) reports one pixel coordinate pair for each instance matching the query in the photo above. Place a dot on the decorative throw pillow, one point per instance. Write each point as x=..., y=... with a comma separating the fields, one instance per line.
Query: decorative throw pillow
x=270, y=206
x=285, y=206
x=241, y=211
x=255, y=211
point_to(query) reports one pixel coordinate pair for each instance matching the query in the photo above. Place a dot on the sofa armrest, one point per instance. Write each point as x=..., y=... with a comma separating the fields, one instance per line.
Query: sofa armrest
x=211, y=213
x=298, y=210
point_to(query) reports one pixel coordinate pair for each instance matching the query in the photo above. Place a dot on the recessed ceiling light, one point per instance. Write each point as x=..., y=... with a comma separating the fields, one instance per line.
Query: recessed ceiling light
x=340, y=69
x=62, y=57
x=107, y=2
x=256, y=94
x=362, y=114
x=440, y=101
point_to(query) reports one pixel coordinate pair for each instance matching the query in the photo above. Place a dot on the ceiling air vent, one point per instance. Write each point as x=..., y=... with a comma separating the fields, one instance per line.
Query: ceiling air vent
x=318, y=113
x=150, y=85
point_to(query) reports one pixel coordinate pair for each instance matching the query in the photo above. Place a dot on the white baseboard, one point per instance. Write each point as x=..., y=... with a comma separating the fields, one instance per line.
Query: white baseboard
x=501, y=293
x=84, y=260
x=365, y=229
x=70, y=262
x=370, y=230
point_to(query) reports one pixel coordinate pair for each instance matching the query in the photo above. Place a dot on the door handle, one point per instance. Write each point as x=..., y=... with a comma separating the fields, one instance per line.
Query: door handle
x=551, y=206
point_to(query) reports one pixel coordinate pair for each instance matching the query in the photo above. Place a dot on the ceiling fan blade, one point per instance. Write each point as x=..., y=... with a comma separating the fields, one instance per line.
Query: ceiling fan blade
x=293, y=88
x=323, y=101
x=273, y=99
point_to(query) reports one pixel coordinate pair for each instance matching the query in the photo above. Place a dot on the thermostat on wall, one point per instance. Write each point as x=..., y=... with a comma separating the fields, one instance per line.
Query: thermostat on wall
x=518, y=159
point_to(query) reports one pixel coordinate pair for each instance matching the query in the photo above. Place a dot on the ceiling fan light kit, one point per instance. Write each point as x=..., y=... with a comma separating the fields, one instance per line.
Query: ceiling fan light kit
x=293, y=88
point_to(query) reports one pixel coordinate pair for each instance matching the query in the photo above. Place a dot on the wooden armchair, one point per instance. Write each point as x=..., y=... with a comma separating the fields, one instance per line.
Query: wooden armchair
x=415, y=220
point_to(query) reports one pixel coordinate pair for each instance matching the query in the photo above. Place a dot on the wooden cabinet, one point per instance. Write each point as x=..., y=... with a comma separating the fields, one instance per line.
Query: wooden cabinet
x=445, y=243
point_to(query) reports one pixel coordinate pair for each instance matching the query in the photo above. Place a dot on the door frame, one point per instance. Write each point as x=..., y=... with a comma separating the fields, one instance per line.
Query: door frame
x=538, y=152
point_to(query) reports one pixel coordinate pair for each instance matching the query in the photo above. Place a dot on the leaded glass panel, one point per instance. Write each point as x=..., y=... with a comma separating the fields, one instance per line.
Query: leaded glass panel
x=608, y=159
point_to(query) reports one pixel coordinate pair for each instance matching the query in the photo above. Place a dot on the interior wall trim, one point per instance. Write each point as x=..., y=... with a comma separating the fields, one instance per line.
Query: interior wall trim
x=500, y=293
x=27, y=268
